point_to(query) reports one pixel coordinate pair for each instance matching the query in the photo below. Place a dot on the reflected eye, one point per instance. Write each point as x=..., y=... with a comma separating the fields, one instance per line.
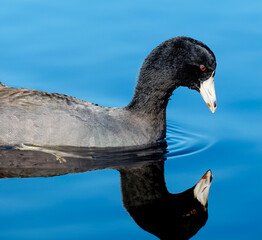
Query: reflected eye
x=193, y=212
x=203, y=68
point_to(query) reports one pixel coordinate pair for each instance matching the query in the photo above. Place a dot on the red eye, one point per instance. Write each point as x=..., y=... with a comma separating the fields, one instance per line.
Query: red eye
x=203, y=68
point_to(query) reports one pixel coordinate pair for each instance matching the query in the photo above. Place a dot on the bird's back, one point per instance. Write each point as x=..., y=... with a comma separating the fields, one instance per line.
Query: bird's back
x=33, y=117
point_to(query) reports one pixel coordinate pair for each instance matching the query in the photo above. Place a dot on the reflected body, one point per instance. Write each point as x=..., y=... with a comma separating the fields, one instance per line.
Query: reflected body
x=144, y=192
x=33, y=117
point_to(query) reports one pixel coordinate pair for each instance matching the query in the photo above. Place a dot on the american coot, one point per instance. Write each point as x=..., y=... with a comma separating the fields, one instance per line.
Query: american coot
x=33, y=117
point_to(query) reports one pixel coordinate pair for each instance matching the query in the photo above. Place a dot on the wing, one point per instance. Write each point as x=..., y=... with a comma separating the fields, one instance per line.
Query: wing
x=21, y=97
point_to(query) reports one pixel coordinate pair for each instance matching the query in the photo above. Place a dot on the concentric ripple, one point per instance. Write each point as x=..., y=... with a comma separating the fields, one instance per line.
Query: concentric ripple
x=183, y=142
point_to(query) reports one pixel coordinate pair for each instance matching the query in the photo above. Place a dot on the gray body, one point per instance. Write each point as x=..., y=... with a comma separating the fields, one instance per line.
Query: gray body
x=33, y=117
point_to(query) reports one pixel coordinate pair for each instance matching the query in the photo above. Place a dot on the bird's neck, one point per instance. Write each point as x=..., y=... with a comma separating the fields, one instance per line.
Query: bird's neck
x=149, y=98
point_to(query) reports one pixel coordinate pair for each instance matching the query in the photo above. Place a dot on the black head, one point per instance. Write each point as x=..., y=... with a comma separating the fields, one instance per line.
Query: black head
x=179, y=61
x=194, y=61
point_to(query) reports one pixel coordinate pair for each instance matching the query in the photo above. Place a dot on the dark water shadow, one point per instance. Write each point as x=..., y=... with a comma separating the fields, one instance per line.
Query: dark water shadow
x=47, y=161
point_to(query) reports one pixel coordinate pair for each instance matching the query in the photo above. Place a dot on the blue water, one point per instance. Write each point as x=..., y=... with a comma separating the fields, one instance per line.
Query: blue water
x=93, y=50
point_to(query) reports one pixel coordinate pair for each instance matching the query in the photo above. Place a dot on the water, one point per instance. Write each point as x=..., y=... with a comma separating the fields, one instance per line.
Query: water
x=93, y=50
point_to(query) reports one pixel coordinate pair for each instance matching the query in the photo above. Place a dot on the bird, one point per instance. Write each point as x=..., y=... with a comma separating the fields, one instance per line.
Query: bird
x=50, y=119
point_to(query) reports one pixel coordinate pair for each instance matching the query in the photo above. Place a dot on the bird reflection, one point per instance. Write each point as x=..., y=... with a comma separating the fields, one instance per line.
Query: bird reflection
x=144, y=192
x=153, y=208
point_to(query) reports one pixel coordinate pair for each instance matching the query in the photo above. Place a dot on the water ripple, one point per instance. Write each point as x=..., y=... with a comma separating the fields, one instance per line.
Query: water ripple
x=182, y=142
